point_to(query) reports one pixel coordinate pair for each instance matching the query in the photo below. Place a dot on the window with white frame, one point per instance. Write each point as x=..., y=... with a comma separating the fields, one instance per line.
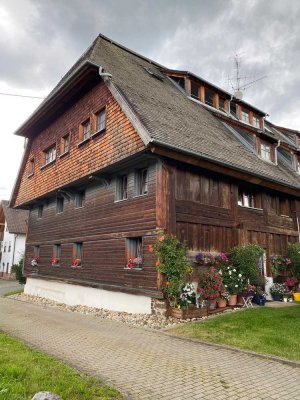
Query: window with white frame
x=246, y=199
x=122, y=188
x=86, y=129
x=245, y=117
x=65, y=144
x=101, y=120
x=256, y=122
x=141, y=181
x=134, y=253
x=50, y=154
x=265, y=151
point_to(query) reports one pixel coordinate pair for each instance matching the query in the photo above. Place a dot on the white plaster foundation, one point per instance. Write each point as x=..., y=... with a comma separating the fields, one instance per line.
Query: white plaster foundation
x=87, y=296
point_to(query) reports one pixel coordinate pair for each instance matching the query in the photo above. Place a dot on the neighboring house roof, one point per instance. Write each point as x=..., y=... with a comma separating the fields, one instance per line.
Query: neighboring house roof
x=16, y=219
x=166, y=117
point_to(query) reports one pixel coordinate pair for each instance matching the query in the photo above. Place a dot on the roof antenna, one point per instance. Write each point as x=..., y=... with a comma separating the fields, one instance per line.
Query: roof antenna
x=237, y=81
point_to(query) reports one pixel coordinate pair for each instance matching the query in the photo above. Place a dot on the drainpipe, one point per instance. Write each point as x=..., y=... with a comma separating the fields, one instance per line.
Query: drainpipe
x=13, y=259
x=228, y=111
x=276, y=147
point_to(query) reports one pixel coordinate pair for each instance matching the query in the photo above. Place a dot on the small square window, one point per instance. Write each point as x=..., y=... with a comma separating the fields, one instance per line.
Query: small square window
x=65, y=144
x=246, y=199
x=56, y=255
x=122, y=188
x=50, y=154
x=141, y=182
x=9, y=247
x=101, y=121
x=265, y=151
x=134, y=253
x=77, y=254
x=59, y=205
x=80, y=199
x=40, y=211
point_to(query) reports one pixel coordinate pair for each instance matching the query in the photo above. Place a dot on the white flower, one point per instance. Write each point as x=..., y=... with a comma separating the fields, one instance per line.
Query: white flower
x=236, y=285
x=240, y=275
x=225, y=285
x=230, y=272
x=234, y=270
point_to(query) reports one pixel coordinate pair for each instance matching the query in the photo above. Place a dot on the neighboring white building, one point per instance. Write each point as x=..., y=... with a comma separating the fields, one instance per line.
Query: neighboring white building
x=13, y=229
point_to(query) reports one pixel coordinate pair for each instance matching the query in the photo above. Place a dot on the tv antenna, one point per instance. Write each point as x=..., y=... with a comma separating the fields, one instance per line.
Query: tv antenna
x=238, y=82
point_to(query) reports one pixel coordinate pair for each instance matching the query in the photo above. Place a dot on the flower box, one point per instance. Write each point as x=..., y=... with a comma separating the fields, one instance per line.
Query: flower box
x=187, y=313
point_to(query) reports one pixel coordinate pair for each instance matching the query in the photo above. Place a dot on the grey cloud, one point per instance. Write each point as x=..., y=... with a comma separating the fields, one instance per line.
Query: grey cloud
x=199, y=36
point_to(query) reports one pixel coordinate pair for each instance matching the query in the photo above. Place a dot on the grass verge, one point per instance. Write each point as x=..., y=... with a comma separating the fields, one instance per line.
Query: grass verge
x=25, y=371
x=12, y=293
x=273, y=331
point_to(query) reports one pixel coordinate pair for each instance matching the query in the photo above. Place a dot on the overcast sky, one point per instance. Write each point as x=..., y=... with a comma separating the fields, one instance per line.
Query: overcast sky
x=40, y=40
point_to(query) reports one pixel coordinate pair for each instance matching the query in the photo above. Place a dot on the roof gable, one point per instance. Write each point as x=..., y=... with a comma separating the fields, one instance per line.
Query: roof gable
x=16, y=219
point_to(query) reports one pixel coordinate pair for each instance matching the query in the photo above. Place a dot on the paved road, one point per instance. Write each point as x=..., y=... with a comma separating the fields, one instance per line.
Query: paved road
x=9, y=286
x=146, y=364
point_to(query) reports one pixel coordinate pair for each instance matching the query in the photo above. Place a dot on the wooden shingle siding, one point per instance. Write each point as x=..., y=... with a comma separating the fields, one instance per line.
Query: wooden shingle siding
x=119, y=140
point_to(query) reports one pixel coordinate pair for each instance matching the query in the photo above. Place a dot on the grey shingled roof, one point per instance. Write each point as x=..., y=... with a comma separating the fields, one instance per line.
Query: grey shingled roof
x=16, y=219
x=170, y=118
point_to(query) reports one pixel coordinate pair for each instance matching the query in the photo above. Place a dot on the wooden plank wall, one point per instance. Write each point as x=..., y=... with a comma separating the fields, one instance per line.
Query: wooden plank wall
x=103, y=226
x=208, y=217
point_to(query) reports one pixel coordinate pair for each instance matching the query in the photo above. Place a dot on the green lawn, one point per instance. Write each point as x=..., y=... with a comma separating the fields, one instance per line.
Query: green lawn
x=25, y=371
x=266, y=330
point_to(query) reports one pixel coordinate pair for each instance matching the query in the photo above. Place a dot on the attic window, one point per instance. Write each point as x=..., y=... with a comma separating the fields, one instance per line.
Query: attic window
x=101, y=120
x=256, y=122
x=31, y=167
x=65, y=144
x=85, y=130
x=246, y=199
x=154, y=74
x=245, y=117
x=286, y=156
x=50, y=154
x=209, y=97
x=222, y=103
x=194, y=90
x=265, y=151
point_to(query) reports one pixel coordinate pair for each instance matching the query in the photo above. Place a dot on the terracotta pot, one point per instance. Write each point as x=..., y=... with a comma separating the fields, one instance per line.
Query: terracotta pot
x=222, y=303
x=232, y=300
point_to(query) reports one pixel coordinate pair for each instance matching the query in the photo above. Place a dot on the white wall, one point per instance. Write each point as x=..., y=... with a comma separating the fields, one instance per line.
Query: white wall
x=8, y=258
x=87, y=296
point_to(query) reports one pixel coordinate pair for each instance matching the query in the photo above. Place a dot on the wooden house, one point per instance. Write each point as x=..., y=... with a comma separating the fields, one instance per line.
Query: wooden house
x=123, y=148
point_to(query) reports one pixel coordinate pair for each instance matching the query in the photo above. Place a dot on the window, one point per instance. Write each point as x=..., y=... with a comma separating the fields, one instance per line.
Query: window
x=209, y=97
x=256, y=122
x=222, y=104
x=194, y=90
x=59, y=205
x=284, y=207
x=245, y=117
x=9, y=247
x=298, y=166
x=50, y=154
x=40, y=211
x=77, y=254
x=86, y=129
x=31, y=167
x=80, y=199
x=36, y=252
x=141, y=182
x=246, y=199
x=56, y=255
x=265, y=151
x=65, y=144
x=4, y=248
x=122, y=188
x=134, y=253
x=101, y=121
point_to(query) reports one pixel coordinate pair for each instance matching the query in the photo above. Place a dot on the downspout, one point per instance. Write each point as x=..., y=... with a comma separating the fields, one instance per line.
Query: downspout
x=228, y=111
x=276, y=147
x=13, y=259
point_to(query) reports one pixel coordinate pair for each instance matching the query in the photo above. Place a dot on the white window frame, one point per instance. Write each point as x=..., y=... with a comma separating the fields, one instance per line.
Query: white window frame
x=101, y=120
x=86, y=130
x=245, y=117
x=50, y=154
x=246, y=199
x=265, y=152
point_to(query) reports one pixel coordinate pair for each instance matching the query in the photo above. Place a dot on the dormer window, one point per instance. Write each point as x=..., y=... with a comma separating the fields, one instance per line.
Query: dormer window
x=209, y=97
x=245, y=117
x=256, y=122
x=298, y=166
x=222, y=104
x=265, y=151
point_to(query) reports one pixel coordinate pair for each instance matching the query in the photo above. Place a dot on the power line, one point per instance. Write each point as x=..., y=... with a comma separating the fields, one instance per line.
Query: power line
x=21, y=95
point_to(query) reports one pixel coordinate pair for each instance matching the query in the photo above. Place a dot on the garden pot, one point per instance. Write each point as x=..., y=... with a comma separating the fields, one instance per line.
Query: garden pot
x=211, y=304
x=222, y=303
x=259, y=300
x=232, y=300
x=187, y=313
x=277, y=297
x=296, y=296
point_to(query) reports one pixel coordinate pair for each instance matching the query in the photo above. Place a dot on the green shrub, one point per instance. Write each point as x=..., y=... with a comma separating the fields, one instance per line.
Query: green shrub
x=293, y=254
x=17, y=269
x=173, y=262
x=246, y=260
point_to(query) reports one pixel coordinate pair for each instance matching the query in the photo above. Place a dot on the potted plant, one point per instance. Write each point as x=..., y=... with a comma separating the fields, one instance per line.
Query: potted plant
x=259, y=296
x=233, y=282
x=277, y=291
x=134, y=263
x=247, y=261
x=55, y=262
x=76, y=263
x=210, y=287
x=223, y=299
x=293, y=253
x=280, y=265
x=35, y=261
x=291, y=282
